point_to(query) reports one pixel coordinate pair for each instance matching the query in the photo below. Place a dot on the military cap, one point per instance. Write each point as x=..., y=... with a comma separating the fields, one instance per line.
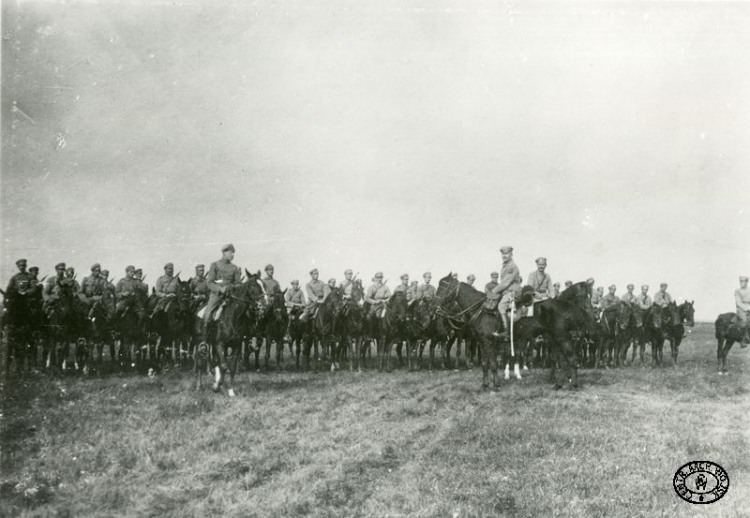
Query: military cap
x=414, y=282
x=743, y=278
x=228, y=248
x=613, y=287
x=590, y=280
x=404, y=276
x=557, y=284
x=34, y=269
x=169, y=265
x=630, y=286
x=313, y=271
x=295, y=281
x=472, y=276
x=96, y=266
x=130, y=268
x=268, y=267
x=644, y=287
x=348, y=270
x=60, y=266
x=332, y=280
x=425, y=274
x=200, y=266
x=138, y=271
x=506, y=249
x=20, y=262
x=541, y=260
x=105, y=272
x=494, y=274
x=379, y=274
x=663, y=285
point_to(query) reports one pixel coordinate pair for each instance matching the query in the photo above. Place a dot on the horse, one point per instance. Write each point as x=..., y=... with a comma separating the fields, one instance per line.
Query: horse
x=729, y=330
x=563, y=320
x=531, y=337
x=274, y=323
x=670, y=329
x=242, y=305
x=487, y=325
x=350, y=325
x=420, y=328
x=612, y=323
x=637, y=333
x=99, y=332
x=389, y=328
x=130, y=326
x=675, y=331
x=172, y=326
x=296, y=334
x=23, y=321
x=319, y=330
x=66, y=324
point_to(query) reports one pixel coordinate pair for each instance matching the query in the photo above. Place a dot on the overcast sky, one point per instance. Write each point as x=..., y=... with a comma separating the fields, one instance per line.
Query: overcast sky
x=610, y=137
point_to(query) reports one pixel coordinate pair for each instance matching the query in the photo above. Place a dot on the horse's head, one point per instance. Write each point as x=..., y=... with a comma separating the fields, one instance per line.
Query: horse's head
x=397, y=304
x=671, y=314
x=624, y=312
x=447, y=290
x=184, y=295
x=424, y=310
x=687, y=313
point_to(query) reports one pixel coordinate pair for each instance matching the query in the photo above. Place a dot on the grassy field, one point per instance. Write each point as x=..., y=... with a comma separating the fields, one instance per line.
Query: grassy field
x=400, y=444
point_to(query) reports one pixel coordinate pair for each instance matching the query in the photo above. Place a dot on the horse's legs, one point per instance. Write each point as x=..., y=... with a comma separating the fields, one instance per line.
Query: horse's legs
x=491, y=355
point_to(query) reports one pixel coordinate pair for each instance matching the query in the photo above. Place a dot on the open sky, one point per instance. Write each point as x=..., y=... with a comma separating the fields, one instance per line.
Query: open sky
x=402, y=136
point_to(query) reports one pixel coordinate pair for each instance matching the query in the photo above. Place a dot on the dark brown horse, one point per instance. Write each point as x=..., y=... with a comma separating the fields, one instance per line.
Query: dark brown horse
x=237, y=321
x=274, y=323
x=729, y=330
x=350, y=326
x=486, y=324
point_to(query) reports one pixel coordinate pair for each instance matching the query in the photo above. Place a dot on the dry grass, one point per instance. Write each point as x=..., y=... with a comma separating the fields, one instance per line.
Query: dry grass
x=400, y=444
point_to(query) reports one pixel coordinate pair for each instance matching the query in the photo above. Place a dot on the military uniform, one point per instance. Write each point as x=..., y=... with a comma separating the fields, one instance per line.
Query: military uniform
x=125, y=294
x=376, y=296
x=401, y=288
x=489, y=288
x=662, y=299
x=510, y=283
x=294, y=298
x=629, y=297
x=610, y=299
x=199, y=289
x=644, y=301
x=426, y=291
x=541, y=282
x=272, y=285
x=92, y=287
x=411, y=292
x=20, y=285
x=167, y=287
x=317, y=291
x=221, y=275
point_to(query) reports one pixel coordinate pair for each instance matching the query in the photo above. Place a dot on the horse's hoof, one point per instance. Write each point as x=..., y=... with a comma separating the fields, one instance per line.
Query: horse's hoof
x=215, y=387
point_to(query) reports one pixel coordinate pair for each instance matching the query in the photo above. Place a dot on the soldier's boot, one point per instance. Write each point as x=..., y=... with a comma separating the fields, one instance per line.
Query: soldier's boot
x=745, y=337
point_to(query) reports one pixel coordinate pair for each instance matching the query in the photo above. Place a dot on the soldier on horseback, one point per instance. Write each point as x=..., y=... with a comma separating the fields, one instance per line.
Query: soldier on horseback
x=294, y=297
x=125, y=293
x=492, y=284
x=317, y=291
x=404, y=286
x=610, y=299
x=376, y=296
x=411, y=293
x=199, y=288
x=510, y=283
x=629, y=297
x=70, y=274
x=92, y=288
x=222, y=275
x=271, y=284
x=166, y=289
x=540, y=281
x=662, y=299
x=742, y=301
x=426, y=290
x=20, y=283
x=51, y=291
x=346, y=284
